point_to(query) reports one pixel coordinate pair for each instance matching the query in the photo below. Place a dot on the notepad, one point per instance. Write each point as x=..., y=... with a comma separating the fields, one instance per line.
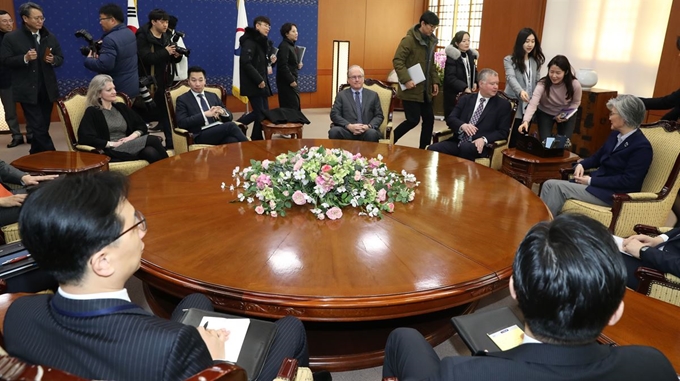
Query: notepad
x=507, y=338
x=566, y=113
x=619, y=244
x=237, y=334
x=416, y=74
x=300, y=52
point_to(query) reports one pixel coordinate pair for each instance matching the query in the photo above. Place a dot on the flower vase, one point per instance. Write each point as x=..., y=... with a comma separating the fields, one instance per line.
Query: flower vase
x=587, y=78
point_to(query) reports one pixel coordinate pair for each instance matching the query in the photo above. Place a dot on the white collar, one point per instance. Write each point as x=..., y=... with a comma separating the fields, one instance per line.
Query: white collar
x=529, y=340
x=120, y=294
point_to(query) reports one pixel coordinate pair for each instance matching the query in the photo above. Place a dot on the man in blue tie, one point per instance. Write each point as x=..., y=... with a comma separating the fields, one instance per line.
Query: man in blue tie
x=203, y=114
x=356, y=112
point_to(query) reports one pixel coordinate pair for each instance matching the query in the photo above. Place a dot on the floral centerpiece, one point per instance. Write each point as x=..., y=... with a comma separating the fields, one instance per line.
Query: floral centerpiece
x=440, y=64
x=325, y=179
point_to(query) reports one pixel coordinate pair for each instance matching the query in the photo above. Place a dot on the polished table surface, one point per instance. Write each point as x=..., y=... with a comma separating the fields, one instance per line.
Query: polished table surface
x=452, y=245
x=62, y=162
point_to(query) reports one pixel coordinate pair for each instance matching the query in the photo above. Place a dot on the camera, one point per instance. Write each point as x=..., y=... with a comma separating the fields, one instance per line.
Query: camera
x=93, y=46
x=144, y=84
x=180, y=50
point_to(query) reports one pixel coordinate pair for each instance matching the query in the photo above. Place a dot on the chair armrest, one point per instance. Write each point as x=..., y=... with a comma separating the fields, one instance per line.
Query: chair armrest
x=646, y=229
x=641, y=196
x=221, y=372
x=86, y=148
x=288, y=370
x=497, y=143
x=647, y=275
x=441, y=134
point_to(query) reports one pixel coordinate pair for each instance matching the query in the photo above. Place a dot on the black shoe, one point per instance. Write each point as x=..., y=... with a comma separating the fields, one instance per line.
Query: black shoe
x=322, y=375
x=15, y=142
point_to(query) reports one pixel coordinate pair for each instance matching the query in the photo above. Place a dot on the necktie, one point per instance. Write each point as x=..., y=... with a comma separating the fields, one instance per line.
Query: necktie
x=357, y=100
x=204, y=106
x=36, y=37
x=473, y=121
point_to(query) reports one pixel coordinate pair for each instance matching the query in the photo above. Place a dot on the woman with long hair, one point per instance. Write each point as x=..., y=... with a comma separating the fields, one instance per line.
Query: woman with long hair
x=555, y=97
x=288, y=64
x=113, y=127
x=522, y=68
x=460, y=72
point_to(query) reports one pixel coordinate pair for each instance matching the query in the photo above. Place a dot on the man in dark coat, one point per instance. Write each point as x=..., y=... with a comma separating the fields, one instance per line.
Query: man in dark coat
x=157, y=55
x=6, y=26
x=118, y=53
x=256, y=60
x=31, y=53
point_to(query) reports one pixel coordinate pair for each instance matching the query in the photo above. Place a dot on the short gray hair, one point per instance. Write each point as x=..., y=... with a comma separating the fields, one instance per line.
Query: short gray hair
x=355, y=67
x=630, y=107
x=485, y=74
x=97, y=84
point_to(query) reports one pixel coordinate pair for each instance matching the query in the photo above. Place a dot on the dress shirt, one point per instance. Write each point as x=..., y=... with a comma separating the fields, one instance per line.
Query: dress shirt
x=361, y=95
x=120, y=294
x=486, y=103
x=200, y=107
x=621, y=138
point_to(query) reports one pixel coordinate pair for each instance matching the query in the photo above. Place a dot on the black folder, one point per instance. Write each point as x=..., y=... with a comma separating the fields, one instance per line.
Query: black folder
x=255, y=346
x=474, y=328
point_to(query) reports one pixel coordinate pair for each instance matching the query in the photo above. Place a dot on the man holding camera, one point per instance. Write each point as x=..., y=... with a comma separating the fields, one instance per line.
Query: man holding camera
x=31, y=53
x=202, y=113
x=157, y=54
x=117, y=54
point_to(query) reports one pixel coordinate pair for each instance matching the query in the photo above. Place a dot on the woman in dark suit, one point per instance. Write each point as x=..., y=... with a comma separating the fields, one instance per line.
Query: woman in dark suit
x=114, y=127
x=460, y=72
x=288, y=65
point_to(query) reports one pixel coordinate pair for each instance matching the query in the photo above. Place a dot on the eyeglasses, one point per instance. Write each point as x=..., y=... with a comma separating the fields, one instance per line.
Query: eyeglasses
x=356, y=77
x=37, y=18
x=265, y=25
x=9, y=21
x=140, y=221
x=105, y=18
x=434, y=27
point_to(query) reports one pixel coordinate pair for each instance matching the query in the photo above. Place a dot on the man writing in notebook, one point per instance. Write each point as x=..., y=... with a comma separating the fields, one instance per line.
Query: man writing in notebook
x=85, y=232
x=569, y=281
x=200, y=112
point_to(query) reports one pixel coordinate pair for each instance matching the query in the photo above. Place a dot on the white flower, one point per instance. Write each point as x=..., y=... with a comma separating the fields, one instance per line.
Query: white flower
x=240, y=196
x=238, y=181
x=341, y=189
x=234, y=173
x=250, y=200
x=325, y=205
x=223, y=185
x=231, y=188
x=380, y=157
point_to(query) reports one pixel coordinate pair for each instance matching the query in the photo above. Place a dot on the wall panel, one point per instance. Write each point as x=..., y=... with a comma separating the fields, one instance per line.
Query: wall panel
x=668, y=76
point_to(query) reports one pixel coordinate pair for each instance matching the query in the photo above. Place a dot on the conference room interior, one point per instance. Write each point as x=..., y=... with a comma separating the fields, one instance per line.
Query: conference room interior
x=375, y=27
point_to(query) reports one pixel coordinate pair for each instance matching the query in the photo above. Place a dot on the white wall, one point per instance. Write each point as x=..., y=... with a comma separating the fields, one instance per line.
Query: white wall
x=620, y=39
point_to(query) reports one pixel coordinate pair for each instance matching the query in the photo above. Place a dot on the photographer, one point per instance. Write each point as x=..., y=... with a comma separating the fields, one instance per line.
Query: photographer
x=157, y=55
x=117, y=55
x=179, y=70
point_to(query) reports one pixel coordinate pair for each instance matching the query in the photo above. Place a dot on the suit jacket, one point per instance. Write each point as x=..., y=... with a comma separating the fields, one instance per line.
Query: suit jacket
x=189, y=115
x=516, y=81
x=112, y=339
x=493, y=124
x=671, y=100
x=344, y=109
x=667, y=259
x=547, y=362
x=9, y=174
x=620, y=171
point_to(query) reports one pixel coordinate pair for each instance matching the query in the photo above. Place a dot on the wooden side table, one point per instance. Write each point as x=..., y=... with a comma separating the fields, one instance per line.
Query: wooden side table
x=270, y=129
x=529, y=169
x=58, y=162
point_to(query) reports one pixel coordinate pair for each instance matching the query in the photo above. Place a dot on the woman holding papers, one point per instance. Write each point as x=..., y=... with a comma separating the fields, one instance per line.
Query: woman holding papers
x=114, y=127
x=521, y=74
x=288, y=65
x=460, y=72
x=555, y=100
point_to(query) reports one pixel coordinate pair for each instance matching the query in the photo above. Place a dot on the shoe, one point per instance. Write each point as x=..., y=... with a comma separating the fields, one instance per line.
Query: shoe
x=15, y=142
x=29, y=139
x=323, y=375
x=285, y=136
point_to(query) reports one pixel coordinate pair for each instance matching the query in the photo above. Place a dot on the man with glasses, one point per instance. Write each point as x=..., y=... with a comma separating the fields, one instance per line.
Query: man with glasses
x=255, y=66
x=356, y=112
x=31, y=53
x=84, y=231
x=6, y=26
x=118, y=52
x=417, y=49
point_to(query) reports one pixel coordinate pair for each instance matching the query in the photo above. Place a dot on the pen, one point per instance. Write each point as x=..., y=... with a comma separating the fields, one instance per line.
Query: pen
x=205, y=325
x=14, y=260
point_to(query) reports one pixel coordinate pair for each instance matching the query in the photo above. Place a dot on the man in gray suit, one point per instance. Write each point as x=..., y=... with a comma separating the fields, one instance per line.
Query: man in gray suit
x=10, y=202
x=86, y=234
x=356, y=113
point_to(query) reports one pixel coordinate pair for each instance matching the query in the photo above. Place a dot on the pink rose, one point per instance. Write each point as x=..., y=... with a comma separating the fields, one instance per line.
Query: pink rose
x=298, y=164
x=299, y=198
x=382, y=195
x=373, y=163
x=263, y=181
x=259, y=209
x=326, y=168
x=391, y=207
x=273, y=214
x=334, y=213
x=357, y=175
x=265, y=164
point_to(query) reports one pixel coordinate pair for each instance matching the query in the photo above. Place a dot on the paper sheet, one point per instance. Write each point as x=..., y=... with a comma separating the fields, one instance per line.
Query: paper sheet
x=619, y=244
x=416, y=74
x=237, y=334
x=507, y=338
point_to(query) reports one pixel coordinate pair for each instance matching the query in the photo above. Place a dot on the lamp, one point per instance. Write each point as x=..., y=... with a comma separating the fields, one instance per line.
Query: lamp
x=340, y=65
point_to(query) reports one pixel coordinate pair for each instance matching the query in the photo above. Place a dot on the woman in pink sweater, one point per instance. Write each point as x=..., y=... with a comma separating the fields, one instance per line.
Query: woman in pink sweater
x=555, y=96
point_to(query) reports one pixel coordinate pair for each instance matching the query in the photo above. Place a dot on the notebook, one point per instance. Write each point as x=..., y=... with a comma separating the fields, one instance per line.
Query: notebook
x=480, y=331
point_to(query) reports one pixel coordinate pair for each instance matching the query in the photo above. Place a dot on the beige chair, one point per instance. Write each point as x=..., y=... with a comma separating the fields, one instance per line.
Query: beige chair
x=182, y=139
x=11, y=233
x=652, y=205
x=654, y=283
x=71, y=110
x=386, y=94
x=495, y=158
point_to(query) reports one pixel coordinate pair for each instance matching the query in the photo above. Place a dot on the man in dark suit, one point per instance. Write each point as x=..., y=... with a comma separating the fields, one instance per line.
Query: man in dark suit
x=477, y=120
x=661, y=253
x=85, y=232
x=622, y=162
x=31, y=53
x=200, y=113
x=569, y=281
x=356, y=112
x=10, y=201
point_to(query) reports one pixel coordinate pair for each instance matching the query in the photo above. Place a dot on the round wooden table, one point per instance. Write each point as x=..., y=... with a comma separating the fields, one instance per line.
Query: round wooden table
x=350, y=280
